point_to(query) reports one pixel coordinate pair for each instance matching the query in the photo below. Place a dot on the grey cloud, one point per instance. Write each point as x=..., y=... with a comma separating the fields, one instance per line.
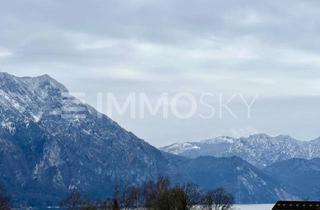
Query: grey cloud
x=269, y=47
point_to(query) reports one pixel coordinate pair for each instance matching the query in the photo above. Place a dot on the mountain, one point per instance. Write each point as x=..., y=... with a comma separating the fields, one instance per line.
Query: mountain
x=247, y=183
x=50, y=143
x=298, y=175
x=260, y=150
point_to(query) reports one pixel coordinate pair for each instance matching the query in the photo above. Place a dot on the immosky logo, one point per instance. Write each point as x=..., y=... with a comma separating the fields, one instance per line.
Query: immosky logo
x=181, y=105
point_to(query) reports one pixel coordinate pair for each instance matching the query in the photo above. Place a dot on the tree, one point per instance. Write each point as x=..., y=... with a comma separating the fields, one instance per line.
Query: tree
x=172, y=199
x=151, y=191
x=4, y=200
x=193, y=194
x=218, y=199
x=162, y=184
x=154, y=195
x=125, y=196
x=115, y=205
x=132, y=197
x=73, y=201
x=119, y=196
x=105, y=205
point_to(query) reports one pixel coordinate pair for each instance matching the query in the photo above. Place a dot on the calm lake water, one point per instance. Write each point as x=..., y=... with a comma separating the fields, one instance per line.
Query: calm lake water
x=254, y=207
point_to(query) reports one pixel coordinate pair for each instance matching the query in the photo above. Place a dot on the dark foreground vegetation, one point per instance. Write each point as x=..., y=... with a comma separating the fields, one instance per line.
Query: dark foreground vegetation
x=151, y=195
x=4, y=200
x=159, y=195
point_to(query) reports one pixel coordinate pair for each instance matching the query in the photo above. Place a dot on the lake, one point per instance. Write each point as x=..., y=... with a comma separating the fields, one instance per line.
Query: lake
x=254, y=207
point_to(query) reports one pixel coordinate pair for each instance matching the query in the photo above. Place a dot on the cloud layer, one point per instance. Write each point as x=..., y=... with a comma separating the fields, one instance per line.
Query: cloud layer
x=270, y=48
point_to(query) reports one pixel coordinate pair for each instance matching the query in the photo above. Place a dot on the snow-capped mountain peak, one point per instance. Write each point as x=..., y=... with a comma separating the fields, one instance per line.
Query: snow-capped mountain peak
x=50, y=142
x=42, y=81
x=220, y=139
x=258, y=149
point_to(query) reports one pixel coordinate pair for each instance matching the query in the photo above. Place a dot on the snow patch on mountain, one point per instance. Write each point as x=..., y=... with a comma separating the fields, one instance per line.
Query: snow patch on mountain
x=8, y=126
x=260, y=150
x=51, y=142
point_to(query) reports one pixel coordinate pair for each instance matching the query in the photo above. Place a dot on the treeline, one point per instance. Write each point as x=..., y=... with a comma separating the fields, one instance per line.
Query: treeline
x=4, y=200
x=155, y=195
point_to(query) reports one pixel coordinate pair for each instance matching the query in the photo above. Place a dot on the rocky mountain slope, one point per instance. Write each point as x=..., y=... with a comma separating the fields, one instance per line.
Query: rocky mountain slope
x=260, y=150
x=51, y=143
x=298, y=175
x=51, y=140
x=247, y=183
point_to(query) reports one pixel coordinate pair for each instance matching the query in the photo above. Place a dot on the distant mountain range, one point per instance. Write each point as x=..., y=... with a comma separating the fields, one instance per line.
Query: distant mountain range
x=51, y=143
x=298, y=175
x=260, y=150
x=293, y=163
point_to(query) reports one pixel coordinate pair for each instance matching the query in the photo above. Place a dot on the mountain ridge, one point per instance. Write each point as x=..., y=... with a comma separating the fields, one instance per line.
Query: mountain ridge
x=260, y=150
x=50, y=143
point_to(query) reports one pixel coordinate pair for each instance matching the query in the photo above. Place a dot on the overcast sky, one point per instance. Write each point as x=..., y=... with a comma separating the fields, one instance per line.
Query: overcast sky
x=270, y=48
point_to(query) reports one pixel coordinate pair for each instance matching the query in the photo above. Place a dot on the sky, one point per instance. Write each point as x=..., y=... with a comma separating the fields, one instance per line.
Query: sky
x=265, y=52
